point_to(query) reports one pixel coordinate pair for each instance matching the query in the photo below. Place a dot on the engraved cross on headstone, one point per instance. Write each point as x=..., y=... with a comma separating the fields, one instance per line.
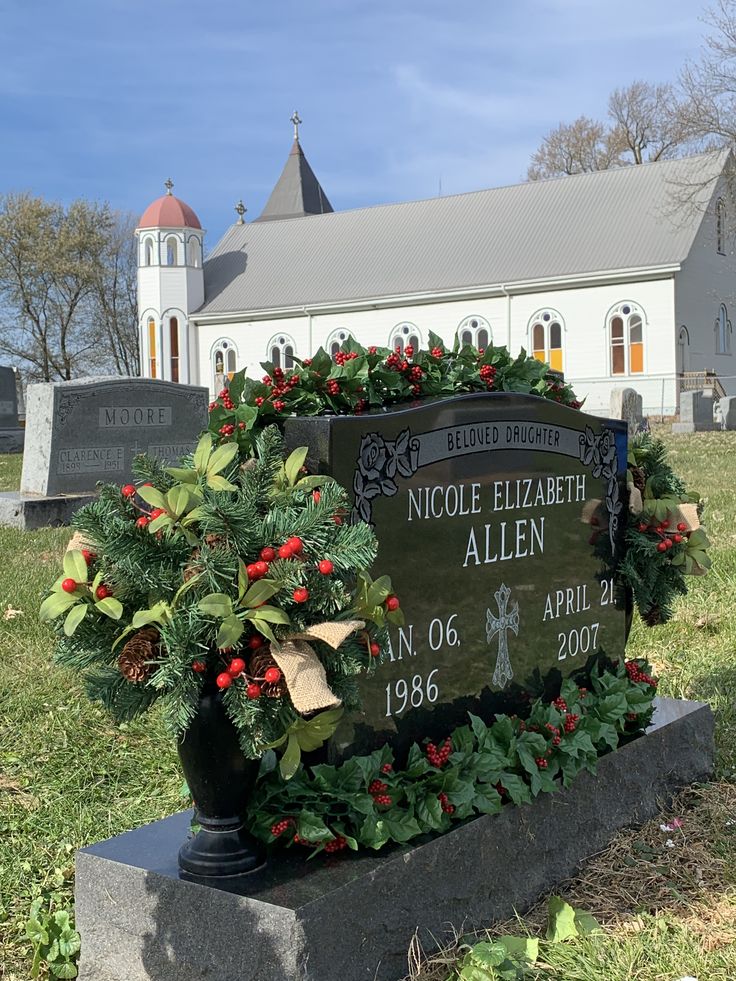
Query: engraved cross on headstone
x=501, y=625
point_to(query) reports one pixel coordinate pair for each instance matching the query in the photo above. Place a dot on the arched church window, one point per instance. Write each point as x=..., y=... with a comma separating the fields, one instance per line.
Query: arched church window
x=171, y=251
x=281, y=350
x=148, y=252
x=151, y=347
x=475, y=331
x=723, y=331
x=174, y=347
x=626, y=338
x=546, y=338
x=224, y=357
x=721, y=226
x=336, y=340
x=403, y=336
x=194, y=252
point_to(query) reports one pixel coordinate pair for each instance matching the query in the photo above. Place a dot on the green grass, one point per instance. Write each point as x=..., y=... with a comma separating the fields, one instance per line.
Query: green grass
x=69, y=777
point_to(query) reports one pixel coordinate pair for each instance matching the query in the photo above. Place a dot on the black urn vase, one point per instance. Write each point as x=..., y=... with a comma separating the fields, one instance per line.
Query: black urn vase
x=221, y=779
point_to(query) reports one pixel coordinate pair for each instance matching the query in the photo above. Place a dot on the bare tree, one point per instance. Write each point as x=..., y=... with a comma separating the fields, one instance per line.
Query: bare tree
x=67, y=288
x=710, y=82
x=575, y=148
x=647, y=122
x=114, y=299
x=648, y=119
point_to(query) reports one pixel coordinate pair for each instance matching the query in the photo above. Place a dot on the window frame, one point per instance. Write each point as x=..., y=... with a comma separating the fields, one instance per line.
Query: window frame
x=335, y=338
x=224, y=346
x=403, y=334
x=626, y=311
x=546, y=319
x=167, y=240
x=723, y=331
x=474, y=324
x=281, y=343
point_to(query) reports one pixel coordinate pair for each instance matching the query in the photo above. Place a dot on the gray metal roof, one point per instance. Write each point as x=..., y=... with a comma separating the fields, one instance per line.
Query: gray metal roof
x=628, y=218
x=297, y=192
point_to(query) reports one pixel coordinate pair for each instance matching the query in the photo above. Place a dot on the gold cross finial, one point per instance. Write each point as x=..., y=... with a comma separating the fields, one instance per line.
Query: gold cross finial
x=240, y=209
x=297, y=123
x=168, y=184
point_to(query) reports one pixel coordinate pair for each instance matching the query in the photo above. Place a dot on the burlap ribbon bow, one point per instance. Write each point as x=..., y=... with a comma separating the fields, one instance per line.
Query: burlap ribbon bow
x=302, y=669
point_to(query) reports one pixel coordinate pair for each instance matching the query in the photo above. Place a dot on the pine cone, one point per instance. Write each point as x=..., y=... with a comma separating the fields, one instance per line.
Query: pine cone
x=260, y=661
x=653, y=616
x=215, y=541
x=142, y=647
x=639, y=478
x=192, y=568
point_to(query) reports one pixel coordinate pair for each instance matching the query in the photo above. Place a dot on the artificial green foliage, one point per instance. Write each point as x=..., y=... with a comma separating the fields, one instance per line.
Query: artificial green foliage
x=657, y=577
x=357, y=379
x=510, y=760
x=175, y=560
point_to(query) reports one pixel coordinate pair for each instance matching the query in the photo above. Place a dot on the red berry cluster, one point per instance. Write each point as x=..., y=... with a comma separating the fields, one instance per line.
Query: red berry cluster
x=560, y=704
x=583, y=692
x=437, y=352
x=333, y=387
x=281, y=826
x=408, y=350
x=636, y=674
x=227, y=429
x=226, y=400
x=488, y=374
x=571, y=721
x=667, y=538
x=438, y=757
x=342, y=356
x=556, y=737
x=387, y=768
x=392, y=603
x=257, y=570
x=541, y=762
x=447, y=807
x=336, y=845
x=377, y=790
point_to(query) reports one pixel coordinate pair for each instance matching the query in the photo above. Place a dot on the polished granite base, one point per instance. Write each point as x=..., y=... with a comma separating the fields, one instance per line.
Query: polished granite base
x=31, y=511
x=352, y=917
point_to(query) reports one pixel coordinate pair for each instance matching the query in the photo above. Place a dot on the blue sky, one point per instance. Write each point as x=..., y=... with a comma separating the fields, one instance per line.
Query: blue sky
x=107, y=98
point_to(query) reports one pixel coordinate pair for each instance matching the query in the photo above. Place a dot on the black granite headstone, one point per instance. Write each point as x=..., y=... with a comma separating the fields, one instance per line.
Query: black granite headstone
x=500, y=520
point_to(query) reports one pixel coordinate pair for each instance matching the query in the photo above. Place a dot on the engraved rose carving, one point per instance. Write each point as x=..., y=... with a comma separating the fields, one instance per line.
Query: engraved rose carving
x=379, y=462
x=599, y=453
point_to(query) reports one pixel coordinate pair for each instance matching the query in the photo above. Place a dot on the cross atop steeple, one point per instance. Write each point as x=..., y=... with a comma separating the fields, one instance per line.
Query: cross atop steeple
x=297, y=123
x=240, y=210
x=168, y=184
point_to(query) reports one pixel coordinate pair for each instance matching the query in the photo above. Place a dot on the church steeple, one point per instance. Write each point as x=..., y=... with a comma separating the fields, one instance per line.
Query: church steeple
x=297, y=192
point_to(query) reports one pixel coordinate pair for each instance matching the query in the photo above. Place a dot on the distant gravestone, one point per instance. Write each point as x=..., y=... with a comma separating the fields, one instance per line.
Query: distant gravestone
x=626, y=404
x=11, y=434
x=498, y=518
x=89, y=430
x=696, y=413
x=727, y=406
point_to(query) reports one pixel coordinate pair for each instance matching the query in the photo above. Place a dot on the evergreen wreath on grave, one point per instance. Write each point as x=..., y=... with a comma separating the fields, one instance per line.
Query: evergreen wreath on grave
x=357, y=379
x=664, y=539
x=239, y=574
x=369, y=802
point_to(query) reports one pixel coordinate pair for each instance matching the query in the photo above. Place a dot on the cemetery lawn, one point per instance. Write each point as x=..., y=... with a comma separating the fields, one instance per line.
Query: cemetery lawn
x=69, y=777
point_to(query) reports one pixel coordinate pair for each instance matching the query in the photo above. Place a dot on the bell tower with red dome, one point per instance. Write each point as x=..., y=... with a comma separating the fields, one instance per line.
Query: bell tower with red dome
x=170, y=286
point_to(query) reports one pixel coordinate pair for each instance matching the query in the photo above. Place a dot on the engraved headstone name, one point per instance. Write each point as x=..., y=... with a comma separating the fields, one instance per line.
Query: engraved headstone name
x=89, y=430
x=499, y=519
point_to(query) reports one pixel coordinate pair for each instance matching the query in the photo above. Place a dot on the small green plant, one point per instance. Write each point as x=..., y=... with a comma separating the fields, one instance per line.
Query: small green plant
x=511, y=958
x=55, y=941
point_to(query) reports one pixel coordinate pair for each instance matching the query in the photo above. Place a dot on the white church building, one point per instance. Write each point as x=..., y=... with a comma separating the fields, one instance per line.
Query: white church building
x=618, y=278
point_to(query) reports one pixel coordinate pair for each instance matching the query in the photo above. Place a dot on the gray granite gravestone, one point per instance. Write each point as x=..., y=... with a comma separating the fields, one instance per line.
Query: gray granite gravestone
x=696, y=413
x=352, y=918
x=626, y=404
x=11, y=434
x=89, y=430
x=498, y=520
